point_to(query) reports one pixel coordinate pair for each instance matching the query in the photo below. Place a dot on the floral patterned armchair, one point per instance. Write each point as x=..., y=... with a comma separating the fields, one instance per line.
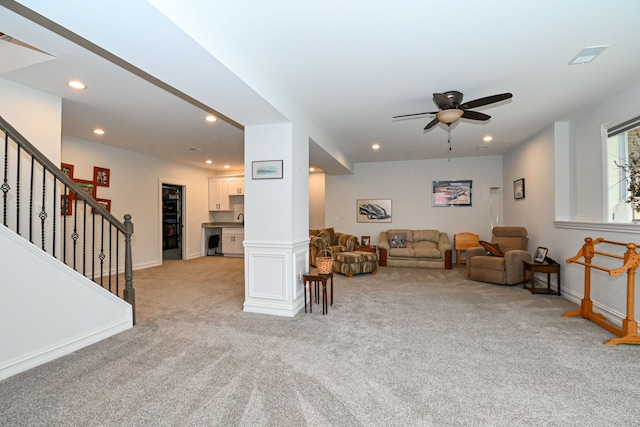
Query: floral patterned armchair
x=328, y=238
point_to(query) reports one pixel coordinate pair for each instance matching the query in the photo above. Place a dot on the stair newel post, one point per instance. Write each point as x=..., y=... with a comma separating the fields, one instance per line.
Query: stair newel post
x=129, y=294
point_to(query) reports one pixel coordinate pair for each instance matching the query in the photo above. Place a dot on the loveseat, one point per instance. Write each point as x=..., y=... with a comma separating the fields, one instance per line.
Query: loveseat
x=416, y=248
x=328, y=238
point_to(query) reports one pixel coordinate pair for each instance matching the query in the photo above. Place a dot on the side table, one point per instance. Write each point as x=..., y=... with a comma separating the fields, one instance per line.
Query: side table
x=537, y=267
x=317, y=279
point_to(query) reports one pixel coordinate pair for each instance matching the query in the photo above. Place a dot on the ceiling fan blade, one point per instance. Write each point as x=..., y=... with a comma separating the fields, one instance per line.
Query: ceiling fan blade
x=474, y=115
x=486, y=100
x=414, y=115
x=431, y=124
x=443, y=101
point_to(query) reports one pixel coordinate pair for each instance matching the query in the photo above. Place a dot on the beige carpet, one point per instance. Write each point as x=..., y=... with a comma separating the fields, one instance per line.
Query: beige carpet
x=404, y=347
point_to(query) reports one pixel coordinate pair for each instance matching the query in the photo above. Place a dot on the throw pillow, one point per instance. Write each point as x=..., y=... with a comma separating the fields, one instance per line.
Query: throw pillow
x=398, y=240
x=492, y=249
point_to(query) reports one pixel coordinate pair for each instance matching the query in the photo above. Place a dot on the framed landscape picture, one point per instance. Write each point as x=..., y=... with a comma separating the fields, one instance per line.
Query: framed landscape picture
x=518, y=188
x=452, y=193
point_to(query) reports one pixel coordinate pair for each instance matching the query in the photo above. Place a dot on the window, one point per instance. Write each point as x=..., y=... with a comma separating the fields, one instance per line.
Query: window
x=623, y=143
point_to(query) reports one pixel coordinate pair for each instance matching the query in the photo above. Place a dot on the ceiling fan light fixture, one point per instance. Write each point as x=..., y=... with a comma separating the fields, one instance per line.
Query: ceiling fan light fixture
x=449, y=116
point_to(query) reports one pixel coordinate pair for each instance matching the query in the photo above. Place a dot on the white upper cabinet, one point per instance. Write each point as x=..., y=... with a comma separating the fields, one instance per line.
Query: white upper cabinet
x=218, y=194
x=236, y=186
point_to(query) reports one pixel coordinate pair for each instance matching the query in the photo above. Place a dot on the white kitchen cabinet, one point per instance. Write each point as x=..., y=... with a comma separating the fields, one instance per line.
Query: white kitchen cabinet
x=232, y=238
x=218, y=194
x=236, y=186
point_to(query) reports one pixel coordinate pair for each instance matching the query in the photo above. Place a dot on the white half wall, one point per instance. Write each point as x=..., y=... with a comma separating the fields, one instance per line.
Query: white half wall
x=48, y=309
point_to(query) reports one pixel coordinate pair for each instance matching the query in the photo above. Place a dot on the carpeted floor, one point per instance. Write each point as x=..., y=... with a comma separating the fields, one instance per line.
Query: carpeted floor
x=404, y=347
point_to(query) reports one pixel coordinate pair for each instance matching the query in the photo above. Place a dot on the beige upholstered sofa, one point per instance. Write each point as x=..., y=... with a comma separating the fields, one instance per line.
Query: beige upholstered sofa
x=504, y=270
x=416, y=248
x=328, y=238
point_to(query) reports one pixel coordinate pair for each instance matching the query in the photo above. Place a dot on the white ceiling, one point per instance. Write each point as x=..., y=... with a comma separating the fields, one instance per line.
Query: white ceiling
x=349, y=66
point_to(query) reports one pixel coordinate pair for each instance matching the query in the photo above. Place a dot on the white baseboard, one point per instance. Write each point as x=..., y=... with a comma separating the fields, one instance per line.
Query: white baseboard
x=29, y=361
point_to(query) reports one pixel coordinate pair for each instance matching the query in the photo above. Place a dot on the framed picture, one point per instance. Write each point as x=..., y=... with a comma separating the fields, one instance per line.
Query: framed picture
x=267, y=169
x=66, y=204
x=88, y=186
x=105, y=203
x=101, y=176
x=541, y=254
x=365, y=240
x=67, y=169
x=452, y=193
x=518, y=188
x=373, y=210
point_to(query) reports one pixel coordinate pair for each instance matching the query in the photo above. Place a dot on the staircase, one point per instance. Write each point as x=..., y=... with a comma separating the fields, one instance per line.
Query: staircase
x=65, y=261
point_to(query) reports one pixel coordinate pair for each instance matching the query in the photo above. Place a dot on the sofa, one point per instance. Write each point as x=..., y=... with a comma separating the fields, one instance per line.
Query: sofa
x=416, y=248
x=328, y=238
x=500, y=261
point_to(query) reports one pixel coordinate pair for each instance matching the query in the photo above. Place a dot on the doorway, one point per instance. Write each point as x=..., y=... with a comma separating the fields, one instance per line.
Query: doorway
x=172, y=242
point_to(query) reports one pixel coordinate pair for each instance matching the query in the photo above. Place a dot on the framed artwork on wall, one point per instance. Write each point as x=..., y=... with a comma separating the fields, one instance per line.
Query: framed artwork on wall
x=101, y=176
x=268, y=169
x=518, y=188
x=105, y=203
x=373, y=210
x=452, y=193
x=88, y=186
x=67, y=169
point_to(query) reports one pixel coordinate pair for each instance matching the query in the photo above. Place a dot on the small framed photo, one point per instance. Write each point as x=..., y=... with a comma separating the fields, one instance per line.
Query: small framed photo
x=267, y=169
x=101, y=176
x=518, y=188
x=66, y=204
x=67, y=169
x=366, y=240
x=541, y=254
x=88, y=186
x=105, y=203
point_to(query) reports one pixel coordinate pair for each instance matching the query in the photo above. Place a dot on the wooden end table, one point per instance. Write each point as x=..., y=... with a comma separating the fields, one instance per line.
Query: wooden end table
x=317, y=279
x=537, y=267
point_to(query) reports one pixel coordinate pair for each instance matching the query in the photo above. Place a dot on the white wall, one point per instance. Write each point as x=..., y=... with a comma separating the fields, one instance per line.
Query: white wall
x=409, y=186
x=134, y=189
x=533, y=160
x=317, y=196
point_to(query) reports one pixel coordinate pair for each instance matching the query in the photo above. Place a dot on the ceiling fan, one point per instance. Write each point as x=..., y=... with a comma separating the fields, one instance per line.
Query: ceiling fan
x=452, y=108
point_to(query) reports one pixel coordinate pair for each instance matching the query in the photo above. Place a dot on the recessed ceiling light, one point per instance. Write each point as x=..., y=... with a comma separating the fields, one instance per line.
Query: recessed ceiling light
x=481, y=147
x=487, y=138
x=211, y=118
x=227, y=166
x=76, y=84
x=376, y=146
x=98, y=131
x=312, y=169
x=587, y=55
x=208, y=162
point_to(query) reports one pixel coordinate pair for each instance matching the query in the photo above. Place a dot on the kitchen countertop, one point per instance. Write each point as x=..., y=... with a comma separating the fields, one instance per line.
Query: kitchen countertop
x=222, y=224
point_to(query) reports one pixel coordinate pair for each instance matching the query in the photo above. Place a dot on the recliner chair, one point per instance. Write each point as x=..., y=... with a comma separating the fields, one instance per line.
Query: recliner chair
x=504, y=270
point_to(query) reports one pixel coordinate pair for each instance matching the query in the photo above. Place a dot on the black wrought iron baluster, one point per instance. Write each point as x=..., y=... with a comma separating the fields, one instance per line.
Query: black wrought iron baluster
x=55, y=215
x=117, y=261
x=74, y=235
x=102, y=256
x=111, y=272
x=18, y=193
x=84, y=237
x=93, y=248
x=5, y=185
x=43, y=212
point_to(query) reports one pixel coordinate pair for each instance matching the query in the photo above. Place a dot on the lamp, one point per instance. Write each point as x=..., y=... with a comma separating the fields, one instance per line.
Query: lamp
x=449, y=116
